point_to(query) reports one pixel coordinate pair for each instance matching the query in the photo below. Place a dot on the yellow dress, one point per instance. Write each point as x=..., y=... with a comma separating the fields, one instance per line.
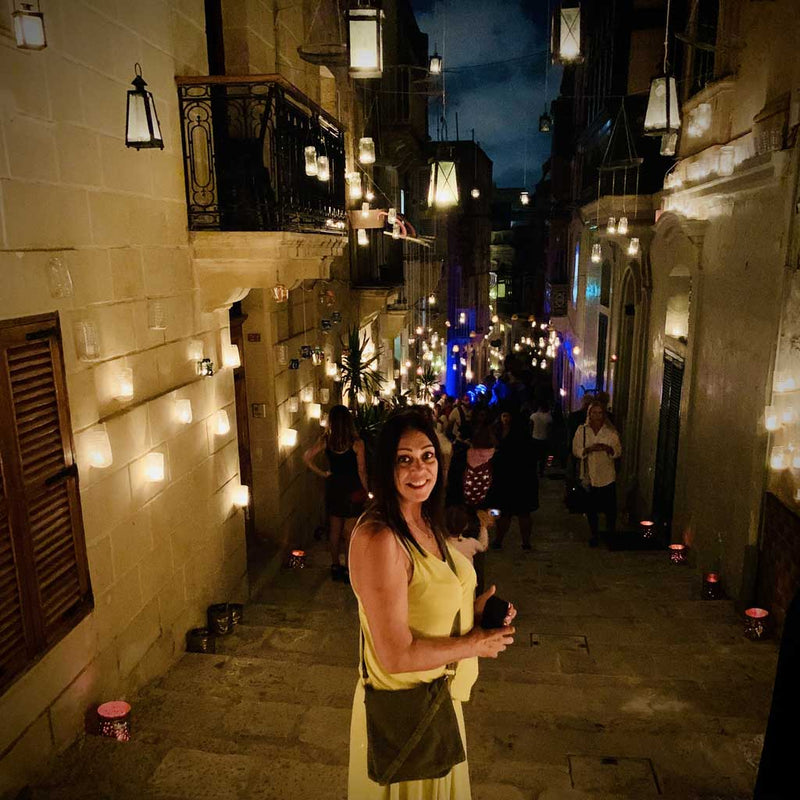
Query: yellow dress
x=435, y=594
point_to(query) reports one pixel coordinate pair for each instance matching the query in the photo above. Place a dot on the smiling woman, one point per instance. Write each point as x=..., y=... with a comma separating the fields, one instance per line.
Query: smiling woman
x=419, y=642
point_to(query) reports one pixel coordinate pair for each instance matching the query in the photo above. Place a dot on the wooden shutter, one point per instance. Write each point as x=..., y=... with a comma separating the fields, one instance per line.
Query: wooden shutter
x=46, y=550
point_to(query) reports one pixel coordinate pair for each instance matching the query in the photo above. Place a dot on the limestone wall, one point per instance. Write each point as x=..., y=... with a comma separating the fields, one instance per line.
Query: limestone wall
x=158, y=552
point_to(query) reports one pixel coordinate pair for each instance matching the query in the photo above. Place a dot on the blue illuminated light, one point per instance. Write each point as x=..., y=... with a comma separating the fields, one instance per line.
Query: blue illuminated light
x=592, y=290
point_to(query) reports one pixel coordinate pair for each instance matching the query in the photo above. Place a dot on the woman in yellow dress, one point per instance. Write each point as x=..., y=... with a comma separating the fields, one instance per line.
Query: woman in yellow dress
x=408, y=596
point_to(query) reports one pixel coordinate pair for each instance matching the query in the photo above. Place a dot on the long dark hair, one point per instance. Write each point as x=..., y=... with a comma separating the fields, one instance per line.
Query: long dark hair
x=341, y=433
x=386, y=506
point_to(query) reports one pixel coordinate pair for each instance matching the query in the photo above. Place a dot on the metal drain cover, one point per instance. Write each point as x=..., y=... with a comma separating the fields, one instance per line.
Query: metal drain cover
x=631, y=777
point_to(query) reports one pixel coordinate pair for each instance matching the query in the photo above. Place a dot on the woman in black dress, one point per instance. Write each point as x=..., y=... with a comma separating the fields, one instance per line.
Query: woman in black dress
x=345, y=482
x=515, y=485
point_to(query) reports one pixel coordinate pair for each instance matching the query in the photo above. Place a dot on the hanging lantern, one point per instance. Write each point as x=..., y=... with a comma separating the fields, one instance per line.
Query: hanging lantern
x=669, y=144
x=323, y=169
x=362, y=238
x=443, y=187
x=396, y=230
x=545, y=123
x=391, y=216
x=524, y=198
x=662, y=117
x=369, y=195
x=597, y=253
x=365, y=40
x=622, y=226
x=354, y=191
x=29, y=26
x=611, y=226
x=566, y=34
x=141, y=125
x=633, y=247
x=475, y=193
x=311, y=160
x=366, y=150
x=435, y=64
x=431, y=299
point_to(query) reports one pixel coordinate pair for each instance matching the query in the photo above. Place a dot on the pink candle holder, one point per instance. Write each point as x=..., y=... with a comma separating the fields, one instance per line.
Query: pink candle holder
x=114, y=720
x=677, y=553
x=756, y=624
x=712, y=590
x=297, y=559
x=647, y=529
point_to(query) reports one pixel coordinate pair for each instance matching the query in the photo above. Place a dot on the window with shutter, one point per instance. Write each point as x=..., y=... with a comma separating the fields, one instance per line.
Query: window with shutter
x=44, y=578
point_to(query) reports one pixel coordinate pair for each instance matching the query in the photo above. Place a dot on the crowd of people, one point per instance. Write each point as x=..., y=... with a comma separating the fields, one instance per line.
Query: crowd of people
x=412, y=537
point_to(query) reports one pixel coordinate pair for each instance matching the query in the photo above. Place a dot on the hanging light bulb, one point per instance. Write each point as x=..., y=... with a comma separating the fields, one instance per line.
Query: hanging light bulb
x=354, y=190
x=435, y=64
x=633, y=247
x=323, y=169
x=524, y=198
x=475, y=193
x=597, y=253
x=362, y=238
x=369, y=194
x=622, y=226
x=611, y=226
x=431, y=299
x=311, y=160
x=366, y=150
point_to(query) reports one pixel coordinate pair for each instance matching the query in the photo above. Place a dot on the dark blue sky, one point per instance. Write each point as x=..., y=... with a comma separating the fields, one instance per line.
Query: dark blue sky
x=502, y=99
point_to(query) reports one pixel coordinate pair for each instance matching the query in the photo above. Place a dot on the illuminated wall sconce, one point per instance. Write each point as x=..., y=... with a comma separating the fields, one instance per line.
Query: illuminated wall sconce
x=777, y=458
x=282, y=354
x=154, y=467
x=310, y=154
x=124, y=384
x=307, y=394
x=366, y=150
x=59, y=280
x=314, y=411
x=230, y=356
x=622, y=226
x=98, y=448
x=241, y=496
x=183, y=410
x=142, y=129
x=293, y=404
x=29, y=25
x=156, y=316
x=87, y=341
x=771, y=418
x=288, y=437
x=362, y=238
x=221, y=423
x=633, y=247
x=205, y=367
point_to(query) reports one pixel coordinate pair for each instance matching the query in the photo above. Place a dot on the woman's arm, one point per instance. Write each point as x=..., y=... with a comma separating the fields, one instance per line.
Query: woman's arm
x=380, y=572
x=616, y=445
x=578, y=443
x=312, y=453
x=358, y=446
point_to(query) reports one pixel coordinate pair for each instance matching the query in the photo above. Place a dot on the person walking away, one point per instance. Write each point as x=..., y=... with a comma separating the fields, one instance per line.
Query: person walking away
x=459, y=427
x=462, y=535
x=515, y=484
x=541, y=423
x=418, y=617
x=596, y=446
x=345, y=482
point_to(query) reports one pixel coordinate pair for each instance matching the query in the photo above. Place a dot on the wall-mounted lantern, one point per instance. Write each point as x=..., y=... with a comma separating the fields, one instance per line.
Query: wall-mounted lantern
x=141, y=125
x=29, y=25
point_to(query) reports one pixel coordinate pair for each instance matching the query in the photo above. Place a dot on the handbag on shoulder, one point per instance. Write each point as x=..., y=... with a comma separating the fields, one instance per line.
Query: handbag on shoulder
x=412, y=734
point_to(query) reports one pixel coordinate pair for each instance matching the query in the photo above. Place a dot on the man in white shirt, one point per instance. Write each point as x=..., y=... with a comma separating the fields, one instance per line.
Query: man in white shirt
x=541, y=420
x=596, y=444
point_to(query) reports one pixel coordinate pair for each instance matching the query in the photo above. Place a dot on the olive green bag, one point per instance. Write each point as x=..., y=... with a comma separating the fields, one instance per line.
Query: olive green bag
x=412, y=734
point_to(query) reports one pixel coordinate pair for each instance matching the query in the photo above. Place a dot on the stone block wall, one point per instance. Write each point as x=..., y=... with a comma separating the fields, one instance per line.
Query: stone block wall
x=158, y=553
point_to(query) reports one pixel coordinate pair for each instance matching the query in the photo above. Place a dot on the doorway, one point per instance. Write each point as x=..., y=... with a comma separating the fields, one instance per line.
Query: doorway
x=667, y=450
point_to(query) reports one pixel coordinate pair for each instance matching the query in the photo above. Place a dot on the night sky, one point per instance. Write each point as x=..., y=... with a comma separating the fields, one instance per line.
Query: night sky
x=503, y=98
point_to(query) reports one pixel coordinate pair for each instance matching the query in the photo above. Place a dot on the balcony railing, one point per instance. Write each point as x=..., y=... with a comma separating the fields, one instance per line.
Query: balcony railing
x=244, y=140
x=556, y=299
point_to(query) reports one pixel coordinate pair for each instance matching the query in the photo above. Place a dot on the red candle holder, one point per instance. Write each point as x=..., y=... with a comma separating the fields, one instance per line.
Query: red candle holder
x=712, y=589
x=114, y=720
x=297, y=559
x=677, y=553
x=647, y=529
x=756, y=624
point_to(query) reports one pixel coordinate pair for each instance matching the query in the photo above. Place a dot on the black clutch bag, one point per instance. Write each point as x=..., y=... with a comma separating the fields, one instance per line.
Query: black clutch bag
x=494, y=613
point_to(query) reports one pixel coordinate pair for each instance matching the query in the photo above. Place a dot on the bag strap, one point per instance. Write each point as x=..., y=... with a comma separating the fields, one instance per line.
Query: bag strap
x=454, y=631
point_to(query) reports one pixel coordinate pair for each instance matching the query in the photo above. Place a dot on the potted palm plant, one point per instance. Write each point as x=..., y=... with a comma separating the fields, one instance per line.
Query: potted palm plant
x=360, y=378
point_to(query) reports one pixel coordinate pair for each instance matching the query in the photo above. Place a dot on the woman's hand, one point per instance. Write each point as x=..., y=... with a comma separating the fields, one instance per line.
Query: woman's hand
x=490, y=643
x=480, y=604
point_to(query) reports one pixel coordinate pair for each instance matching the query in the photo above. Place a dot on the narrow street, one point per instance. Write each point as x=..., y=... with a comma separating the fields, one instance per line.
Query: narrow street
x=622, y=683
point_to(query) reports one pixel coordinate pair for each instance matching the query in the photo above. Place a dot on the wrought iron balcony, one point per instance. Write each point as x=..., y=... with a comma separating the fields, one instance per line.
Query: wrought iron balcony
x=244, y=141
x=556, y=299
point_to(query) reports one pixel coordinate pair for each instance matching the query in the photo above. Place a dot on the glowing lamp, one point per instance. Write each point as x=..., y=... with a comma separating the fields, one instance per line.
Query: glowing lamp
x=662, y=117
x=462, y=318
x=468, y=375
x=369, y=194
x=647, y=529
x=396, y=231
x=323, y=168
x=366, y=150
x=241, y=496
x=354, y=190
x=183, y=410
x=288, y=437
x=314, y=411
x=576, y=350
x=124, y=390
x=222, y=425
x=756, y=624
x=230, y=356
x=633, y=247
x=597, y=253
x=677, y=553
x=307, y=394
x=475, y=193
x=622, y=226
x=293, y=404
x=777, y=458
x=443, y=186
x=524, y=198
x=29, y=26
x=431, y=299
x=712, y=589
x=98, y=448
x=419, y=330
x=611, y=226
x=771, y=418
x=362, y=238
x=142, y=128
x=310, y=154
x=365, y=40
x=114, y=720
x=297, y=559
x=154, y=467
x=391, y=216
x=435, y=64
x=331, y=370
x=566, y=34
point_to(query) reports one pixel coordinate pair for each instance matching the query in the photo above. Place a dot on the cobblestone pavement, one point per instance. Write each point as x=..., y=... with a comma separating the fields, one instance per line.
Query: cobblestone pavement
x=622, y=683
